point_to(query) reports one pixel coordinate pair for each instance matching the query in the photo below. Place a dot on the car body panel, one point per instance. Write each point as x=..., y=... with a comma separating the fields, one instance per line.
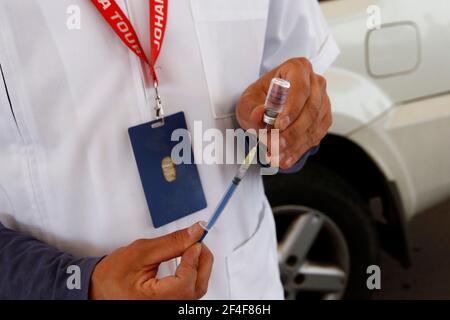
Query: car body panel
x=401, y=116
x=348, y=21
x=356, y=101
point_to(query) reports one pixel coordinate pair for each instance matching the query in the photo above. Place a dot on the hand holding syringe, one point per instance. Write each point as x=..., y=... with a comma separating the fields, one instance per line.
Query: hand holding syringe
x=275, y=101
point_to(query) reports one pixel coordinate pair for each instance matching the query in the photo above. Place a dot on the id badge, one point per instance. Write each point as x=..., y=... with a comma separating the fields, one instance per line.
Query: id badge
x=172, y=191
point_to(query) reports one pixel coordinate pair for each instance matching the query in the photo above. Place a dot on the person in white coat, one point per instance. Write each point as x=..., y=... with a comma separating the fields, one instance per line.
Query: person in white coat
x=68, y=177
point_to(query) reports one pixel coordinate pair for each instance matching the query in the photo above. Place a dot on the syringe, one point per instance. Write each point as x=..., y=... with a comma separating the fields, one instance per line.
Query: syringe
x=275, y=101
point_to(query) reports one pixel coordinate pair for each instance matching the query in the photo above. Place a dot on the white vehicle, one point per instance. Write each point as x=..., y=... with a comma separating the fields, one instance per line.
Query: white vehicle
x=387, y=156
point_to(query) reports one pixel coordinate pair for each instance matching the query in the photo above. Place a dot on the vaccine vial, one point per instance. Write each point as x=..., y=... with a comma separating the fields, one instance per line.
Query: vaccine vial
x=276, y=99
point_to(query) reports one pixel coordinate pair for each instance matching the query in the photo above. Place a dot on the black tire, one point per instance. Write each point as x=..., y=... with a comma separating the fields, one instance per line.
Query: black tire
x=322, y=189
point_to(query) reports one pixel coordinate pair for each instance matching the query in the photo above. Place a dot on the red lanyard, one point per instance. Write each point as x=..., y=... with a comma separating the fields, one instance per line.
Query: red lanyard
x=122, y=26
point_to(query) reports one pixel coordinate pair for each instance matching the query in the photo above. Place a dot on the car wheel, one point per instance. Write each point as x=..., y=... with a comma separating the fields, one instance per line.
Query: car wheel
x=326, y=235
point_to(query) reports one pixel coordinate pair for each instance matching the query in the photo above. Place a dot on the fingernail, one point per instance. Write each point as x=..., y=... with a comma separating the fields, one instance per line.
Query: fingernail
x=290, y=161
x=194, y=229
x=203, y=224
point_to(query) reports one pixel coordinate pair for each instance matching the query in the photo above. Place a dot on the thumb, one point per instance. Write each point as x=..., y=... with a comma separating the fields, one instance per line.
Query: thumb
x=256, y=117
x=172, y=245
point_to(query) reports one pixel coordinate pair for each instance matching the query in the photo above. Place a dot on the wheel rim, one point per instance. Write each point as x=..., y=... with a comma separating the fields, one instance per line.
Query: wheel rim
x=313, y=254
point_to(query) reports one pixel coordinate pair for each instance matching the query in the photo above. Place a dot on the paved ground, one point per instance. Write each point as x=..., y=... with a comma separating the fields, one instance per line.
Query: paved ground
x=429, y=276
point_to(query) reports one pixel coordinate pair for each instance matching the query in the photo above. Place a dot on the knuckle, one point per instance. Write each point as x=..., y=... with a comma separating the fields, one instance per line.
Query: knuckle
x=138, y=244
x=135, y=249
x=322, y=82
x=314, y=109
x=179, y=237
x=299, y=64
x=311, y=136
x=292, y=62
x=330, y=120
x=305, y=63
x=320, y=134
x=318, y=137
x=327, y=103
x=125, y=253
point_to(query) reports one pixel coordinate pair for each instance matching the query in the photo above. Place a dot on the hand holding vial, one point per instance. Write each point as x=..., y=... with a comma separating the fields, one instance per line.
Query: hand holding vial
x=305, y=118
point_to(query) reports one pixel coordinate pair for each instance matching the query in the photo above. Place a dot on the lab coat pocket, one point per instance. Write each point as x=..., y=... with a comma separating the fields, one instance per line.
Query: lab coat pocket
x=231, y=37
x=253, y=266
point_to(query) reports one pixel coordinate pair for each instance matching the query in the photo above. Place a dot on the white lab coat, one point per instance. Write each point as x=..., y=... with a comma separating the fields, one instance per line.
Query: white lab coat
x=67, y=171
